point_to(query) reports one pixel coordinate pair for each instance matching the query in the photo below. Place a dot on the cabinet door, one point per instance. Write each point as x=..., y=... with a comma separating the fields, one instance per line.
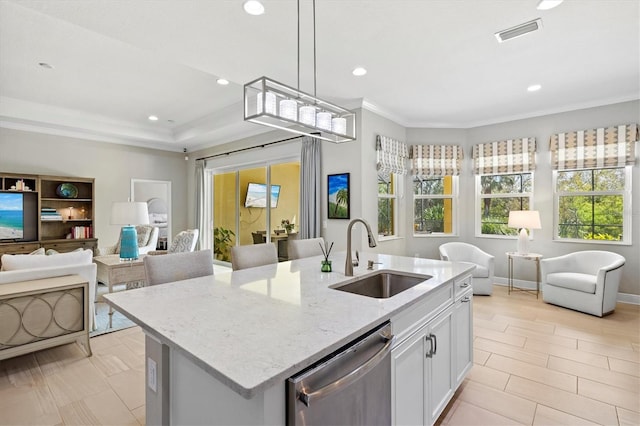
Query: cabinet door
x=463, y=319
x=408, y=378
x=440, y=363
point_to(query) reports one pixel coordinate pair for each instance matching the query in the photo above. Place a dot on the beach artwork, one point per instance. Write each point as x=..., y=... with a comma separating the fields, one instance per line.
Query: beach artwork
x=338, y=196
x=11, y=216
x=257, y=195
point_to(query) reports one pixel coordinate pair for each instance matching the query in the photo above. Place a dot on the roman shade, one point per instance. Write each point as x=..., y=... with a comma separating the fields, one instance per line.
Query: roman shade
x=594, y=148
x=391, y=155
x=436, y=160
x=501, y=157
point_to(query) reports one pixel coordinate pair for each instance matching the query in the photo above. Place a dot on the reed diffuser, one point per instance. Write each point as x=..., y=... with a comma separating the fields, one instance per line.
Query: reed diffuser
x=326, y=263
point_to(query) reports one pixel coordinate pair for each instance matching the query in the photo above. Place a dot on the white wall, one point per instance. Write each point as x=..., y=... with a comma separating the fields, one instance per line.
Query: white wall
x=111, y=165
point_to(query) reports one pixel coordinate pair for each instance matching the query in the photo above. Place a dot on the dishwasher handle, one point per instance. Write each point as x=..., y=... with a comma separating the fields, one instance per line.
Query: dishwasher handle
x=347, y=379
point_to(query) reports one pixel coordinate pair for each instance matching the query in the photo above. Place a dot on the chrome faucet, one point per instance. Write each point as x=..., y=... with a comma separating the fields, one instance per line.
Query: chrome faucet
x=348, y=267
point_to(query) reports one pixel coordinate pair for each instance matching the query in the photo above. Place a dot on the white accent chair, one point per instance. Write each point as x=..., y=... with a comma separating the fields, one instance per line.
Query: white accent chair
x=178, y=266
x=147, y=241
x=585, y=281
x=482, y=282
x=250, y=256
x=305, y=248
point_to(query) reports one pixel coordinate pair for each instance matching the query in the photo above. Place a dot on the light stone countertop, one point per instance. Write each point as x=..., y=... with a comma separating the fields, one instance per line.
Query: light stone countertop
x=255, y=327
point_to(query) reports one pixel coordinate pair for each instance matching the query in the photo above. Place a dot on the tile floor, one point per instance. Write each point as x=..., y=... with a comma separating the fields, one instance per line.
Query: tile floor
x=535, y=364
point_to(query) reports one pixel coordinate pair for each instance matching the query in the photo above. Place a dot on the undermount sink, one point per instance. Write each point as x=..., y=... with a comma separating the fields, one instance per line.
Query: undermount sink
x=382, y=285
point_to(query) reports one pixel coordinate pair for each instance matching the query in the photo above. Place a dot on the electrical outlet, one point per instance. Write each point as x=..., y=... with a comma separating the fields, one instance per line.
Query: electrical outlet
x=152, y=375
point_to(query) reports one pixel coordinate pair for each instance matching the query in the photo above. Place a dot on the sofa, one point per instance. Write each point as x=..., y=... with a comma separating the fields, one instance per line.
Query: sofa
x=24, y=267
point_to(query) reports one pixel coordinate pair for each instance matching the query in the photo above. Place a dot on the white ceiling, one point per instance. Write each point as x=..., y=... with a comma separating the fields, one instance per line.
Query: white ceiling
x=431, y=63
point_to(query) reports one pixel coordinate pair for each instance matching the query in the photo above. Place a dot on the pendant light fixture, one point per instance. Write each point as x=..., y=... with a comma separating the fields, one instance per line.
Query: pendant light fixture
x=277, y=105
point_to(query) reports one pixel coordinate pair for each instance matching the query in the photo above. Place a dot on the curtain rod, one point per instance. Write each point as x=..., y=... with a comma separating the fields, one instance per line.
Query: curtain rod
x=253, y=147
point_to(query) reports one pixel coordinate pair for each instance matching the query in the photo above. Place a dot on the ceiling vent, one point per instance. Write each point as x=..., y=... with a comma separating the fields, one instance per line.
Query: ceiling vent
x=519, y=30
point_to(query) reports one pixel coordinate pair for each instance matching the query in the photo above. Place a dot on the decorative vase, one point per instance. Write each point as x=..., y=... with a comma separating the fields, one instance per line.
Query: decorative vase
x=326, y=266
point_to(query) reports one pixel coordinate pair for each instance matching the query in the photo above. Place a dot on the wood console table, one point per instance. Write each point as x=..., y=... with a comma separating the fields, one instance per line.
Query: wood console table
x=43, y=313
x=111, y=270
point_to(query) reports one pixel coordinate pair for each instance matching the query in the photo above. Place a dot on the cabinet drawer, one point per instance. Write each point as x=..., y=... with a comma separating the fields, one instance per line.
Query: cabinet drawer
x=66, y=246
x=407, y=322
x=18, y=248
x=461, y=285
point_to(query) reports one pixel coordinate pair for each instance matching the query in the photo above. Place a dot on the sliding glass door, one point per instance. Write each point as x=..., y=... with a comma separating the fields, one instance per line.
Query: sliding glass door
x=255, y=204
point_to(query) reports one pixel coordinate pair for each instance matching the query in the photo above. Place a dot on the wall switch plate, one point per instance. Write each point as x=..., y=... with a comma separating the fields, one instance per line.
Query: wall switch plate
x=152, y=375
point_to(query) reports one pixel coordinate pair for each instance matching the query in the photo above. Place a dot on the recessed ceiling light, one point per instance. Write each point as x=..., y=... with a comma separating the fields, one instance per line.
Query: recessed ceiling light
x=534, y=88
x=548, y=4
x=222, y=81
x=253, y=7
x=153, y=118
x=359, y=71
x=45, y=65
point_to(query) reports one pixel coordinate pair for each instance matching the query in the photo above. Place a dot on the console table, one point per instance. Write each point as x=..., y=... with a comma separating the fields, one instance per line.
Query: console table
x=43, y=313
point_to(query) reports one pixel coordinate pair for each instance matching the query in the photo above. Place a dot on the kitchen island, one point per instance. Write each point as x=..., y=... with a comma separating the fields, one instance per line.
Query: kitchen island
x=220, y=348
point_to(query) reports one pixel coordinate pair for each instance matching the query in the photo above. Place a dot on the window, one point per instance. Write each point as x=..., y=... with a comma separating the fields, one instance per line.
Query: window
x=499, y=194
x=593, y=204
x=387, y=204
x=434, y=201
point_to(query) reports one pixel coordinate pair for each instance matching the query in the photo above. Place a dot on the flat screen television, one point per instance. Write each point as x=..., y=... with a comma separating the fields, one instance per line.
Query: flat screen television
x=257, y=195
x=18, y=216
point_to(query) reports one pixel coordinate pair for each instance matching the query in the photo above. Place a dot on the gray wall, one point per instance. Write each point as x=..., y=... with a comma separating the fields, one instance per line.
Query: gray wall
x=112, y=165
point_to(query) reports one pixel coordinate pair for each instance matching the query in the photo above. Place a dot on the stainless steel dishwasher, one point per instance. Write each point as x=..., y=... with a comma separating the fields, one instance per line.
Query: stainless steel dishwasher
x=350, y=387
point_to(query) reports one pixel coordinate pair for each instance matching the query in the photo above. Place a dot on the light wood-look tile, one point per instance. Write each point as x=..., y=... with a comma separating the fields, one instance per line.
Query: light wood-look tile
x=499, y=402
x=609, y=394
x=547, y=416
x=626, y=367
x=129, y=386
x=469, y=414
x=606, y=376
x=104, y=408
x=628, y=418
x=509, y=351
x=489, y=377
x=610, y=351
x=76, y=382
x=569, y=402
x=480, y=356
x=536, y=373
x=509, y=339
x=567, y=342
x=567, y=353
x=140, y=414
x=491, y=324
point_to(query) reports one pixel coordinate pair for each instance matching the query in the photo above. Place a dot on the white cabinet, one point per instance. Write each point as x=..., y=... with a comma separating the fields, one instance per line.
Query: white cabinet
x=422, y=372
x=463, y=334
x=434, y=354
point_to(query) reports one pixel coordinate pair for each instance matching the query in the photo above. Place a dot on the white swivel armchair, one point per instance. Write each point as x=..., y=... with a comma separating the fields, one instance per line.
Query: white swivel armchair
x=484, y=264
x=305, y=248
x=586, y=281
x=184, y=242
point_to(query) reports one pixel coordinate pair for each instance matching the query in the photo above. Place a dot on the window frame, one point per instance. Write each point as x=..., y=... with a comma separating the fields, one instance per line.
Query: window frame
x=627, y=216
x=395, y=179
x=479, y=197
x=454, y=207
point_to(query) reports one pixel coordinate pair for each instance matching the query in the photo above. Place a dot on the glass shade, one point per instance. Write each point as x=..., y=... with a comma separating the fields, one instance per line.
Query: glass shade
x=339, y=125
x=284, y=119
x=289, y=109
x=323, y=120
x=269, y=103
x=308, y=115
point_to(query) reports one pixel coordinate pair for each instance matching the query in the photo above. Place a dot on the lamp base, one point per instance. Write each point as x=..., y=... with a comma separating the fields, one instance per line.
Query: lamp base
x=523, y=241
x=128, y=243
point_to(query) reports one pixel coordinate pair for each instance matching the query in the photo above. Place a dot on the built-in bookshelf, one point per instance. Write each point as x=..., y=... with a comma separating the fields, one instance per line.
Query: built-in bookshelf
x=60, y=209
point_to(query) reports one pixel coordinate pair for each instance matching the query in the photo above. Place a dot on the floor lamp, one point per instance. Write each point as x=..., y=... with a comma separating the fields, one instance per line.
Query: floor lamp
x=129, y=214
x=524, y=219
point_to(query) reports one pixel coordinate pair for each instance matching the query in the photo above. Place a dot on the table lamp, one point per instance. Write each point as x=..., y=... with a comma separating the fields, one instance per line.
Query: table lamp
x=524, y=219
x=129, y=213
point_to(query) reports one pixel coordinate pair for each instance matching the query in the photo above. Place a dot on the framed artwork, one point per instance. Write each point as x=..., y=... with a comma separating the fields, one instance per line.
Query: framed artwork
x=338, y=196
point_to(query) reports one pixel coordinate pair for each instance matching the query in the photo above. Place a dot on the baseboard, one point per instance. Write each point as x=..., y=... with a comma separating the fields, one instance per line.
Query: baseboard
x=633, y=299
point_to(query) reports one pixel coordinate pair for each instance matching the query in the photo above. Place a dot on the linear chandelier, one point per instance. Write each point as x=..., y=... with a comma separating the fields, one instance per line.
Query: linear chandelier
x=277, y=105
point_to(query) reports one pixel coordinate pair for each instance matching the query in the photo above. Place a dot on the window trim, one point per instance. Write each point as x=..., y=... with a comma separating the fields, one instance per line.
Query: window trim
x=454, y=207
x=395, y=206
x=627, y=216
x=478, y=204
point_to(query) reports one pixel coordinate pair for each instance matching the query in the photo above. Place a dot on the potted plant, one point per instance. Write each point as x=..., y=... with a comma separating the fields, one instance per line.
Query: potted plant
x=288, y=226
x=222, y=239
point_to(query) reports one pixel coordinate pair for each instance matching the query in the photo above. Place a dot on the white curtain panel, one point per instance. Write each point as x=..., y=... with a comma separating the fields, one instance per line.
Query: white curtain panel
x=200, y=197
x=310, y=188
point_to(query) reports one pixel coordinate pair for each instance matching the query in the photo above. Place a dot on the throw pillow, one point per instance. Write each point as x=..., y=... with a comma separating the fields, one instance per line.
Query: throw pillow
x=14, y=262
x=144, y=232
x=38, y=251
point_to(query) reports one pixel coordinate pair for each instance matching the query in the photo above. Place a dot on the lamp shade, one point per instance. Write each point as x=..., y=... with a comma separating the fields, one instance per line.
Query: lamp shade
x=129, y=213
x=529, y=219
